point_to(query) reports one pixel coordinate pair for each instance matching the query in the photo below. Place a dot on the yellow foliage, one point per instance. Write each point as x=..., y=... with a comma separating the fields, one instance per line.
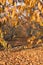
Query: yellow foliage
x=3, y=43
x=10, y=1
x=3, y=2
x=41, y=23
x=39, y=41
x=39, y=6
x=42, y=10
x=0, y=1
x=32, y=3
x=14, y=23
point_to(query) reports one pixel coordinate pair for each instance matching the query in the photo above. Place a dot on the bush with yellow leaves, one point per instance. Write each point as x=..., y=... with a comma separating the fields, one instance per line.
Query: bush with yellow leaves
x=28, y=17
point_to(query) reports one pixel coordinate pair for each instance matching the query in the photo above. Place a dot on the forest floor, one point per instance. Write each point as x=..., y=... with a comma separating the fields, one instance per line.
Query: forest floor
x=22, y=57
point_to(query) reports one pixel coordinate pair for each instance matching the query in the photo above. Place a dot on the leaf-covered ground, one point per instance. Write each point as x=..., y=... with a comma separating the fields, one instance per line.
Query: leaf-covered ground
x=21, y=24
x=22, y=57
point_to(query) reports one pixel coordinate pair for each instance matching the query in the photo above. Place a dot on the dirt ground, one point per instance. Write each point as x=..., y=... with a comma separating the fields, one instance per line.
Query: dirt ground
x=22, y=57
